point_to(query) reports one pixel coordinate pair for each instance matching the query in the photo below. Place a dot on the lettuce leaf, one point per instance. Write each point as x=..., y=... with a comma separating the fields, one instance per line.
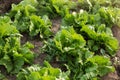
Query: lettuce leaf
x=37, y=72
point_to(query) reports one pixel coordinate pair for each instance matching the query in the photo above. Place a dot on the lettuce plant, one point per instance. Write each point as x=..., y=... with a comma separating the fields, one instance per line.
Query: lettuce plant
x=69, y=48
x=54, y=8
x=25, y=19
x=47, y=72
x=96, y=30
x=13, y=55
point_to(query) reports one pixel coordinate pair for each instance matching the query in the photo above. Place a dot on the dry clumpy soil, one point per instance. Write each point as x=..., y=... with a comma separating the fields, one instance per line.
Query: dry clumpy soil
x=5, y=6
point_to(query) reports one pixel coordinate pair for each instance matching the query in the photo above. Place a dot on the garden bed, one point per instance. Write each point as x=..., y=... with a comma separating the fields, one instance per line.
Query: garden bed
x=56, y=22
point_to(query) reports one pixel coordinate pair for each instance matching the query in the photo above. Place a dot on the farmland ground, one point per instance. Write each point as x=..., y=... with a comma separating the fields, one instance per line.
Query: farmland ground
x=5, y=6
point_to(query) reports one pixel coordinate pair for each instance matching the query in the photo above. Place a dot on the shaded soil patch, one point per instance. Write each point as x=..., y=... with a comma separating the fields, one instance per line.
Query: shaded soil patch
x=5, y=5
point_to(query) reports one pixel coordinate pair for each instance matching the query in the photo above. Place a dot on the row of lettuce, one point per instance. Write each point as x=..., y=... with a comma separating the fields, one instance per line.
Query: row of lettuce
x=84, y=44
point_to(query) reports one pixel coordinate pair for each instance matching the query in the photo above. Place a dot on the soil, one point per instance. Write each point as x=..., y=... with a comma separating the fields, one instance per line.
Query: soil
x=5, y=6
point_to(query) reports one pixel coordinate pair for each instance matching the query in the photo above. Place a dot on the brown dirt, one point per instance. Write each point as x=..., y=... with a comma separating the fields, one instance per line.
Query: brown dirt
x=5, y=5
x=56, y=25
x=116, y=59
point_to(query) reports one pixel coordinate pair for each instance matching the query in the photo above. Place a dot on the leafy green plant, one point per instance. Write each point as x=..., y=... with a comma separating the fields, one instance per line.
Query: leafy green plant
x=25, y=19
x=108, y=10
x=96, y=30
x=102, y=16
x=96, y=4
x=69, y=47
x=47, y=72
x=5, y=19
x=100, y=41
x=54, y=8
x=40, y=26
x=1, y=76
x=84, y=44
x=13, y=55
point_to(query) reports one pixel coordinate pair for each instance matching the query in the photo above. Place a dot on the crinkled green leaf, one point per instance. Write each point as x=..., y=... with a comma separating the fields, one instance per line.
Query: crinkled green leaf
x=6, y=61
x=36, y=72
x=18, y=62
